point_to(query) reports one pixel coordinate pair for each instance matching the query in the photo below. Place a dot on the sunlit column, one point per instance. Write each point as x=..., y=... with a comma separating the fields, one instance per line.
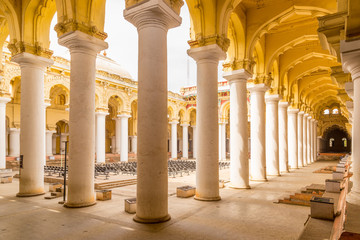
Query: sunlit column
x=300, y=139
x=100, y=136
x=152, y=19
x=117, y=135
x=272, y=135
x=194, y=142
x=3, y=102
x=124, y=139
x=308, y=139
x=292, y=137
x=257, y=113
x=174, y=139
x=305, y=156
x=134, y=144
x=315, y=140
x=239, y=160
x=223, y=141
x=83, y=50
x=283, y=139
x=185, y=141
x=14, y=142
x=312, y=142
x=32, y=122
x=113, y=144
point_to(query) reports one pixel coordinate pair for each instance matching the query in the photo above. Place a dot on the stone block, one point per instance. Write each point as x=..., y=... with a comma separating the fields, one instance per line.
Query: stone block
x=322, y=208
x=6, y=173
x=130, y=205
x=7, y=179
x=56, y=194
x=54, y=186
x=333, y=185
x=338, y=175
x=185, y=191
x=221, y=183
x=103, y=195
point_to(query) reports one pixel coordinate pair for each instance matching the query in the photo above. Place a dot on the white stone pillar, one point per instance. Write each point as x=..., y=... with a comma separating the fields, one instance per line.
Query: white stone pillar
x=283, y=138
x=308, y=140
x=315, y=140
x=257, y=132
x=350, y=56
x=220, y=142
x=134, y=144
x=113, y=144
x=272, y=135
x=124, y=154
x=312, y=142
x=54, y=136
x=239, y=155
x=3, y=102
x=83, y=50
x=194, y=142
x=32, y=122
x=300, y=139
x=318, y=143
x=100, y=136
x=223, y=141
x=292, y=137
x=45, y=136
x=207, y=168
x=174, y=139
x=185, y=141
x=49, y=142
x=152, y=19
x=118, y=135
x=14, y=143
x=305, y=157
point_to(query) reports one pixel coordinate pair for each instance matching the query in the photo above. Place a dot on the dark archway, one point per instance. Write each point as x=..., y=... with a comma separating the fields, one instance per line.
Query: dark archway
x=337, y=140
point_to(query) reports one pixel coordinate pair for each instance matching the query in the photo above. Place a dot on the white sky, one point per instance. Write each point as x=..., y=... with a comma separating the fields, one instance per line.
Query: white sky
x=123, y=46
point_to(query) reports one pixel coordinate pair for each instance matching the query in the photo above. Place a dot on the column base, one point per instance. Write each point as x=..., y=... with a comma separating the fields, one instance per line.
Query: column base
x=207, y=199
x=153, y=220
x=29, y=194
x=274, y=174
x=78, y=205
x=259, y=180
x=239, y=187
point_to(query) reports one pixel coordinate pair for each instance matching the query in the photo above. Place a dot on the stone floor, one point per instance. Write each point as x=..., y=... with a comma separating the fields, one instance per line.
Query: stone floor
x=241, y=214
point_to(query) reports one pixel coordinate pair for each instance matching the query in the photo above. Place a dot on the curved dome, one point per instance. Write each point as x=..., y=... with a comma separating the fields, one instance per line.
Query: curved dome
x=106, y=64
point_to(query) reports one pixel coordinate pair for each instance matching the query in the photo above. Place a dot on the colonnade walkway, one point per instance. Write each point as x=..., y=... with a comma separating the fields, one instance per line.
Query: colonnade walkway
x=241, y=214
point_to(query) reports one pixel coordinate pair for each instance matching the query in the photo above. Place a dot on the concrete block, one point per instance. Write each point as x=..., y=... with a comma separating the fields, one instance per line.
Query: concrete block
x=103, y=195
x=333, y=185
x=54, y=186
x=7, y=179
x=130, y=205
x=322, y=208
x=185, y=191
x=338, y=175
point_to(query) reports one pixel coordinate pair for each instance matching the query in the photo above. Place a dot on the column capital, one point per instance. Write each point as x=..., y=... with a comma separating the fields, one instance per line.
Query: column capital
x=101, y=113
x=309, y=117
x=185, y=125
x=152, y=13
x=50, y=131
x=301, y=113
x=174, y=122
x=350, y=57
x=193, y=126
x=208, y=53
x=124, y=116
x=313, y=120
x=240, y=75
x=4, y=100
x=14, y=129
x=292, y=110
x=80, y=42
x=262, y=87
x=27, y=59
x=283, y=104
x=272, y=98
x=306, y=115
x=46, y=104
x=223, y=123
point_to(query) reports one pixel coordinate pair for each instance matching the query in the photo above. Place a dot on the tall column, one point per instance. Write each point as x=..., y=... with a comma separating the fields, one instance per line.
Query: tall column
x=46, y=104
x=134, y=144
x=223, y=141
x=124, y=154
x=312, y=142
x=194, y=142
x=152, y=19
x=185, y=141
x=257, y=132
x=239, y=156
x=300, y=139
x=49, y=142
x=292, y=137
x=3, y=102
x=14, y=143
x=100, y=136
x=308, y=139
x=305, y=157
x=32, y=121
x=272, y=135
x=283, y=140
x=54, y=136
x=207, y=168
x=174, y=139
x=350, y=56
x=315, y=140
x=113, y=144
x=83, y=49
x=220, y=142
x=118, y=135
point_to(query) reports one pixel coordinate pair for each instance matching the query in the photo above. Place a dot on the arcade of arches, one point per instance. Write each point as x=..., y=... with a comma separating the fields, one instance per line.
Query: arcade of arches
x=290, y=92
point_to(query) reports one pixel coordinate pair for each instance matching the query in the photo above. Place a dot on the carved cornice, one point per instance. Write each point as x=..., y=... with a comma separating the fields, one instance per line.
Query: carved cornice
x=71, y=25
x=18, y=47
x=173, y=4
x=201, y=41
x=246, y=64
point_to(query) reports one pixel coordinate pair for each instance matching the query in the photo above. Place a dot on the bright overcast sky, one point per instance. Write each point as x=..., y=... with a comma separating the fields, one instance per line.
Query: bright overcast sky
x=123, y=46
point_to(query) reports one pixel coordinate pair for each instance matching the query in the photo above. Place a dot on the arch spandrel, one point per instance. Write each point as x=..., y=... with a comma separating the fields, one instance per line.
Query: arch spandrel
x=12, y=14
